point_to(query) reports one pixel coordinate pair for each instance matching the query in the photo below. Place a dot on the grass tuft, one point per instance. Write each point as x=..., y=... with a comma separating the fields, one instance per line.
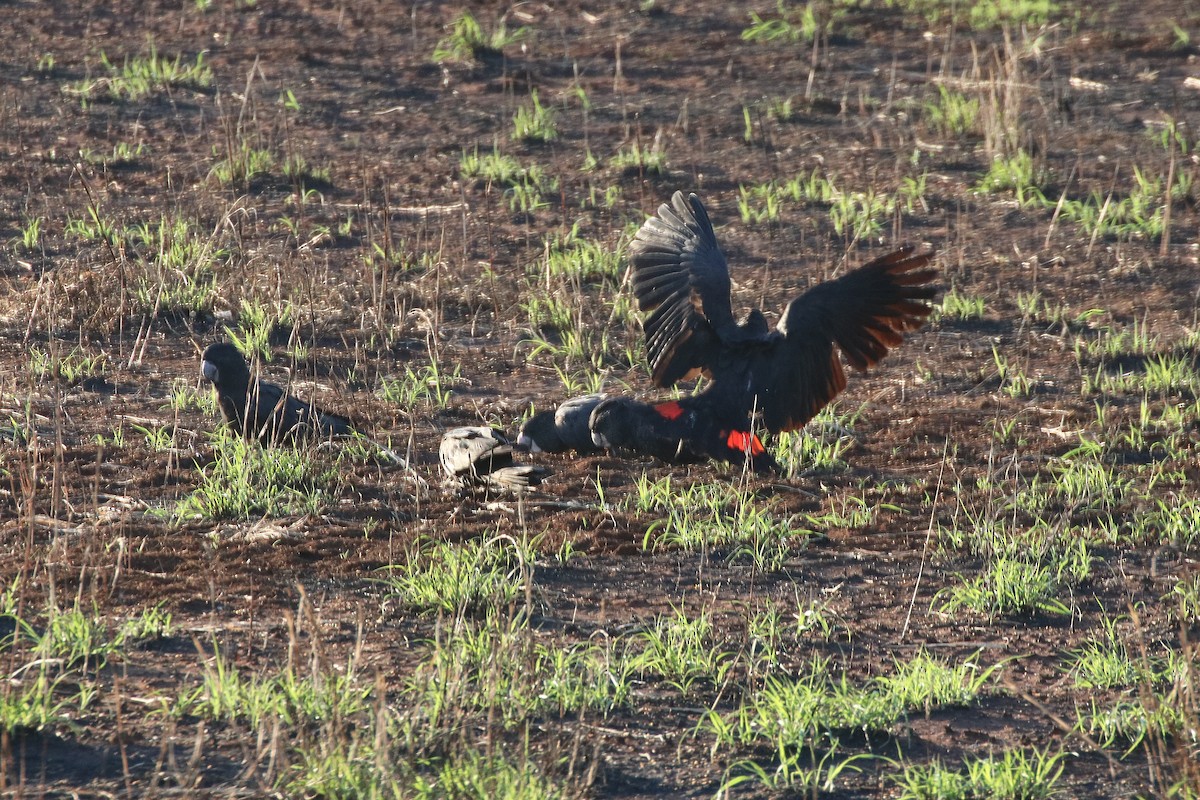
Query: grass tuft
x=247, y=481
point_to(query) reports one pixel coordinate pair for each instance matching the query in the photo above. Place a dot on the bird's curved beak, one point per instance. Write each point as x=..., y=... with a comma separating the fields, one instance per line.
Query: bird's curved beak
x=524, y=442
x=210, y=371
x=599, y=440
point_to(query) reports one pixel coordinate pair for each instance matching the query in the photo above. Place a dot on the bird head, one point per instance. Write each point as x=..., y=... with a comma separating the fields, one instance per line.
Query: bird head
x=537, y=434
x=612, y=422
x=223, y=364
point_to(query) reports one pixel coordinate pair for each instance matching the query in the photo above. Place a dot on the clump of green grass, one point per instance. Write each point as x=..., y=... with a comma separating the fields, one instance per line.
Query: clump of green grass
x=388, y=259
x=1017, y=174
x=1134, y=723
x=560, y=332
x=185, y=397
x=1013, y=380
x=985, y=14
x=240, y=161
x=454, y=577
x=1013, y=775
x=956, y=305
x=57, y=657
x=925, y=683
x=96, y=227
x=1114, y=342
x=759, y=204
x=680, y=649
x=853, y=214
x=535, y=122
x=575, y=259
x=781, y=109
x=87, y=640
x=717, y=516
x=246, y=481
x=854, y=513
x=69, y=368
x=297, y=169
x=1162, y=375
x=1185, y=597
x=1175, y=522
x=550, y=311
x=821, y=445
x=475, y=775
x=468, y=41
x=499, y=666
x=159, y=440
x=801, y=720
x=860, y=215
x=344, y=767
x=174, y=259
x=40, y=702
x=1140, y=213
x=179, y=261
x=953, y=113
x=911, y=193
x=524, y=187
x=230, y=694
x=494, y=167
x=1022, y=575
x=123, y=154
x=1084, y=480
x=770, y=631
x=813, y=187
x=819, y=704
x=257, y=322
x=793, y=25
x=31, y=234
x=141, y=76
x=1107, y=662
x=636, y=158
x=424, y=385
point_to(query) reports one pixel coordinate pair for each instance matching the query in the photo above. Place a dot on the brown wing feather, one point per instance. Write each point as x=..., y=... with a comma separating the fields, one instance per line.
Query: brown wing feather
x=864, y=314
x=681, y=282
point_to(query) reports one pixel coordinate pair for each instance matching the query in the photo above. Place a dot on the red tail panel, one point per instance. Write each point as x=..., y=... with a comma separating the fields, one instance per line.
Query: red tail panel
x=671, y=410
x=745, y=442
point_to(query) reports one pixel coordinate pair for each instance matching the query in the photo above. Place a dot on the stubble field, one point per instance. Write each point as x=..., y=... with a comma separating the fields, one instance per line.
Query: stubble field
x=977, y=578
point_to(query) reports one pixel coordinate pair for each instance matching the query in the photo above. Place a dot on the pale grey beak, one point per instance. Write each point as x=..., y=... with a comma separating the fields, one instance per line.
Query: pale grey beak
x=210, y=371
x=599, y=440
x=523, y=441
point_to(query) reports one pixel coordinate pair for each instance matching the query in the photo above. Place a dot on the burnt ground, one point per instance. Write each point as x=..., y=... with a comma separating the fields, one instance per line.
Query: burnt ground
x=388, y=256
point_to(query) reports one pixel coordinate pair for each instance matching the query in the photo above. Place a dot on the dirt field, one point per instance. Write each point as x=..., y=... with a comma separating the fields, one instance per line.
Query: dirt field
x=1015, y=487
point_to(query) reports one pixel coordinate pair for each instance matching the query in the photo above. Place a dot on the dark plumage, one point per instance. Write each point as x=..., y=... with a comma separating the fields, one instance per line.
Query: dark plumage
x=261, y=409
x=784, y=376
x=677, y=432
x=483, y=457
x=565, y=428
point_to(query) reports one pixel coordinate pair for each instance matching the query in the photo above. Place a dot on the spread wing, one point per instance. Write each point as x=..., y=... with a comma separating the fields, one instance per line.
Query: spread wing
x=864, y=314
x=681, y=281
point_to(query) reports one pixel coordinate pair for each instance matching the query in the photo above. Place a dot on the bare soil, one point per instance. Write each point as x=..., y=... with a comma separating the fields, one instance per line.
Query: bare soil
x=81, y=517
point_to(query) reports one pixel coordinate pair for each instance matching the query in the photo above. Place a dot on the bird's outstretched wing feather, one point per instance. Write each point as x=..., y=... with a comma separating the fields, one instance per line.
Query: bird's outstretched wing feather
x=681, y=281
x=864, y=314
